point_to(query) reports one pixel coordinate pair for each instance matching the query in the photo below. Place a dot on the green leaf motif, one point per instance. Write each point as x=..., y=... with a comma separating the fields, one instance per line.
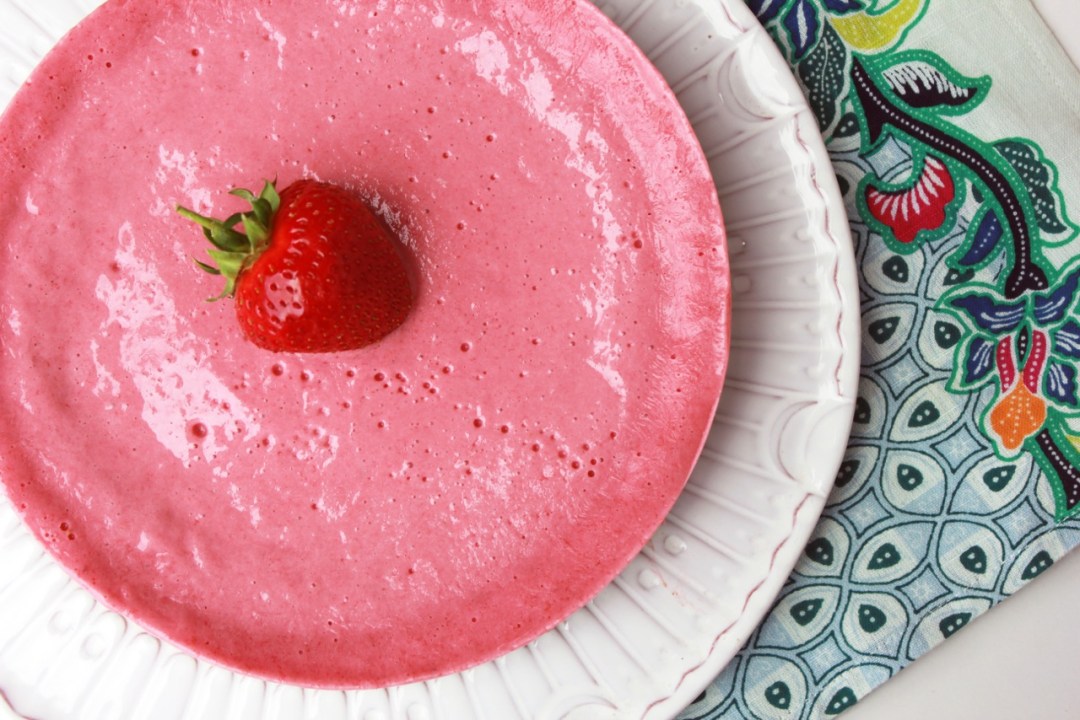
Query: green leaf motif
x=778, y=695
x=884, y=557
x=882, y=330
x=926, y=413
x=946, y=335
x=804, y=612
x=872, y=618
x=909, y=477
x=824, y=74
x=1037, y=565
x=999, y=477
x=1040, y=180
x=841, y=701
x=896, y=269
x=821, y=551
x=974, y=560
x=953, y=623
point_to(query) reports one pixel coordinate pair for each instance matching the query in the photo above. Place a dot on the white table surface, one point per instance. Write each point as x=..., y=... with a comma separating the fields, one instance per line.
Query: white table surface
x=1019, y=661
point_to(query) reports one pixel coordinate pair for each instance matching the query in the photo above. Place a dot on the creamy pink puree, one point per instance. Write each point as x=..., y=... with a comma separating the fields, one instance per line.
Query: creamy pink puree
x=400, y=511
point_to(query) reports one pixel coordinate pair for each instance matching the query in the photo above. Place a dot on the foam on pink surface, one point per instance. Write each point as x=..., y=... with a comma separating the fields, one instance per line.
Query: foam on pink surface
x=408, y=509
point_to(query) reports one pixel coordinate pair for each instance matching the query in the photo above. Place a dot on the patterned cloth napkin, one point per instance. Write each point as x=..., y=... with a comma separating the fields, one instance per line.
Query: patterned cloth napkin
x=952, y=126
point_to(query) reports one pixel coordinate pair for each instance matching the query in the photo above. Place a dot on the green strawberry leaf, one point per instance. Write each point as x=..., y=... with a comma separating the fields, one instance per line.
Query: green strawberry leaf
x=233, y=250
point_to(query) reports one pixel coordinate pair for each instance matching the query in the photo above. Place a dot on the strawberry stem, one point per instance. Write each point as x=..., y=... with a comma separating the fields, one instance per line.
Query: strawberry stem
x=234, y=250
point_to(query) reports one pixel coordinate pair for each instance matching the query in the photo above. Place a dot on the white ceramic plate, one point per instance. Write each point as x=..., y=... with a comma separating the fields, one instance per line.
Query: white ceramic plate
x=654, y=638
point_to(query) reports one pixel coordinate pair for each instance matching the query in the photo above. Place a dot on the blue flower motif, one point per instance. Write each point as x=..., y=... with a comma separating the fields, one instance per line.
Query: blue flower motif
x=979, y=360
x=766, y=10
x=802, y=25
x=1060, y=384
x=1067, y=340
x=802, y=19
x=1033, y=341
x=991, y=314
x=1051, y=307
x=839, y=7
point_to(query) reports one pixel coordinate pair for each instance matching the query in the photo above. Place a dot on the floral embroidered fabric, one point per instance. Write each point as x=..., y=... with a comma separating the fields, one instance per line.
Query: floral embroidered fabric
x=962, y=478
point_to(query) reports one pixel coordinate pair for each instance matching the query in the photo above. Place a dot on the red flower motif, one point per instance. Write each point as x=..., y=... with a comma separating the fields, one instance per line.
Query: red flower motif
x=909, y=211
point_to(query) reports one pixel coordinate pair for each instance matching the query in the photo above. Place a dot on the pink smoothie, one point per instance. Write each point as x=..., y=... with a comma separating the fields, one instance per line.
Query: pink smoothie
x=411, y=508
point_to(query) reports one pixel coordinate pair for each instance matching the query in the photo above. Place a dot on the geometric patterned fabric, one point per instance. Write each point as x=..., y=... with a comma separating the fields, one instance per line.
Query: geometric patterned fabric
x=960, y=482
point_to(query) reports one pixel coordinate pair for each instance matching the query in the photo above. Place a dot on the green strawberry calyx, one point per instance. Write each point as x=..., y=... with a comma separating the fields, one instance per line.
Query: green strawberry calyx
x=234, y=250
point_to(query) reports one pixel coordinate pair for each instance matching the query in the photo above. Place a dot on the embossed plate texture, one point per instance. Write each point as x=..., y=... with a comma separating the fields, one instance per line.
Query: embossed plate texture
x=658, y=634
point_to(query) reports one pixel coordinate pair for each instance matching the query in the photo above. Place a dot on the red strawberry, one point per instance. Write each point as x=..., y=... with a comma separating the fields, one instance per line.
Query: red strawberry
x=314, y=269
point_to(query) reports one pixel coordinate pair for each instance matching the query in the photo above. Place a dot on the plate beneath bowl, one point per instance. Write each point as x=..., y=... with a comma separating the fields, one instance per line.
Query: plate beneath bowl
x=649, y=643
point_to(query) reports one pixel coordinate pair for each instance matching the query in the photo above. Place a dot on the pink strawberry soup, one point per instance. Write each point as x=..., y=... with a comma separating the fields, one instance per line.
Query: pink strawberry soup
x=415, y=507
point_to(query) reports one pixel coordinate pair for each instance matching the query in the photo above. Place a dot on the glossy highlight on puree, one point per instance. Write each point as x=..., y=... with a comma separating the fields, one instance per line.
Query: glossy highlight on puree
x=421, y=505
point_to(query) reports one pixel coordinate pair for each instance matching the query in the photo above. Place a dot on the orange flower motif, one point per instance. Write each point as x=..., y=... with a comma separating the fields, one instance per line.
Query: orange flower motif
x=1017, y=416
x=1019, y=412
